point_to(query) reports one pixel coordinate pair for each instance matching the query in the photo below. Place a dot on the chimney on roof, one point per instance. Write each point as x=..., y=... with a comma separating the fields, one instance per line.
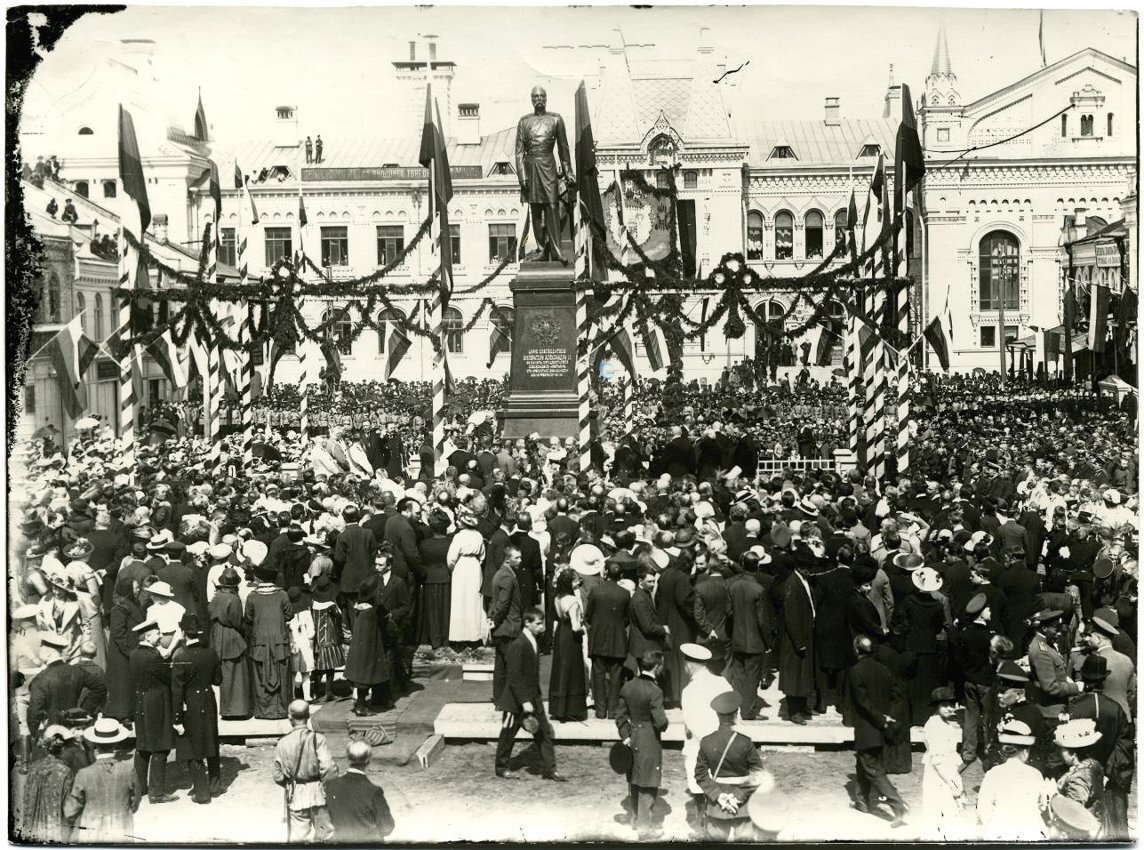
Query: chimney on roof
x=432, y=42
x=468, y=123
x=286, y=127
x=833, y=115
x=413, y=51
x=705, y=48
x=893, y=105
x=1080, y=219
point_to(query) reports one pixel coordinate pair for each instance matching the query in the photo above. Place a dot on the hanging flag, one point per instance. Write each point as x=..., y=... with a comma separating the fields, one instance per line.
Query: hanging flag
x=201, y=121
x=909, y=161
x=824, y=347
x=398, y=344
x=872, y=218
x=1041, y=39
x=216, y=193
x=116, y=343
x=88, y=351
x=935, y=336
x=852, y=226
x=587, y=176
x=434, y=156
x=450, y=383
x=1127, y=306
x=302, y=220
x=704, y=305
x=1098, y=318
x=63, y=351
x=131, y=175
x=162, y=350
x=622, y=346
x=650, y=334
x=1052, y=346
x=500, y=335
x=242, y=182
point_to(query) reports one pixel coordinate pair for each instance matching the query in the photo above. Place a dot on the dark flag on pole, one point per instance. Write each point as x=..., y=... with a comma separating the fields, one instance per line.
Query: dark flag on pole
x=909, y=162
x=935, y=336
x=131, y=173
x=434, y=156
x=500, y=338
x=1098, y=318
x=201, y=132
x=1052, y=346
x=587, y=174
x=852, y=226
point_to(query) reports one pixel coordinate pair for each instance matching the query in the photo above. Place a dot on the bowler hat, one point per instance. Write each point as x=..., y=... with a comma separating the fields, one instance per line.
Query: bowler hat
x=942, y=695
x=1094, y=669
x=190, y=625
x=229, y=578
x=620, y=758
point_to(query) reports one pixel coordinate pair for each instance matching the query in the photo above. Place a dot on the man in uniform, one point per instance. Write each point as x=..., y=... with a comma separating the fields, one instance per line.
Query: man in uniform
x=59, y=686
x=725, y=769
x=640, y=722
x=154, y=721
x=699, y=718
x=1049, y=684
x=540, y=174
x=195, y=669
x=302, y=764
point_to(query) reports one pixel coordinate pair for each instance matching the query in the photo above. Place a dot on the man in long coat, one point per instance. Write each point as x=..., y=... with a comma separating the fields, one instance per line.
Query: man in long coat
x=645, y=631
x=154, y=716
x=641, y=721
x=753, y=634
x=606, y=614
x=103, y=798
x=353, y=556
x=796, y=642
x=195, y=670
x=871, y=691
x=675, y=600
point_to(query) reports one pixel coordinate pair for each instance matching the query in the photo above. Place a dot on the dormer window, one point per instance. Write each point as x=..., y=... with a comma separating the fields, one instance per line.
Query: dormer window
x=502, y=168
x=285, y=112
x=86, y=131
x=391, y=165
x=869, y=150
x=782, y=152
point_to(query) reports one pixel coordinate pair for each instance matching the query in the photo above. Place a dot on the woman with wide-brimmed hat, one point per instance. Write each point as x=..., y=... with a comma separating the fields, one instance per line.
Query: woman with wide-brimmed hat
x=1012, y=795
x=942, y=792
x=465, y=559
x=267, y=616
x=1083, y=779
x=329, y=653
x=227, y=638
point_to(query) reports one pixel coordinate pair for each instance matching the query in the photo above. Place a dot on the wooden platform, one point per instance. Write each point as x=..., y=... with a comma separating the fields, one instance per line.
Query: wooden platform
x=482, y=722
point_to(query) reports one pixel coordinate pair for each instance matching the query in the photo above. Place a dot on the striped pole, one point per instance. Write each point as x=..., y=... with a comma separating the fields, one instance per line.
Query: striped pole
x=583, y=327
x=246, y=369
x=853, y=369
x=128, y=263
x=877, y=452
x=304, y=383
x=868, y=355
x=629, y=403
x=212, y=384
x=437, y=318
x=902, y=308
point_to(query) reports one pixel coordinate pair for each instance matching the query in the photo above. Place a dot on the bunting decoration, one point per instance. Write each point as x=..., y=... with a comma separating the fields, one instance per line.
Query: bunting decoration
x=64, y=354
x=935, y=336
x=396, y=346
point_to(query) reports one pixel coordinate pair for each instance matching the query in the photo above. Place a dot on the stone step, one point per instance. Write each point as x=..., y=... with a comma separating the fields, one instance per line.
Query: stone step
x=480, y=722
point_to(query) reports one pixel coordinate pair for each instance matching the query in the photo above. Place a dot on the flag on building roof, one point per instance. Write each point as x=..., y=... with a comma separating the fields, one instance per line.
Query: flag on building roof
x=63, y=350
x=398, y=344
x=162, y=349
x=138, y=220
x=201, y=132
x=935, y=336
x=242, y=182
x=433, y=156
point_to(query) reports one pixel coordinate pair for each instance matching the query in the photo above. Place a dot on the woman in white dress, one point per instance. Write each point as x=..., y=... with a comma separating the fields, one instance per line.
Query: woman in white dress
x=942, y=791
x=465, y=559
x=1014, y=794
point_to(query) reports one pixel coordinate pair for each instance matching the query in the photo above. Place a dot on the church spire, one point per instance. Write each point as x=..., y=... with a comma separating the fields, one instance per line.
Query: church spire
x=941, y=65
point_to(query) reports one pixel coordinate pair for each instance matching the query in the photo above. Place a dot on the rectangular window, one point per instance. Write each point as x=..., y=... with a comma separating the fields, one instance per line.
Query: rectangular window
x=943, y=134
x=153, y=392
x=1010, y=334
x=390, y=243
x=335, y=246
x=29, y=399
x=754, y=240
x=988, y=336
x=455, y=241
x=502, y=242
x=227, y=250
x=278, y=244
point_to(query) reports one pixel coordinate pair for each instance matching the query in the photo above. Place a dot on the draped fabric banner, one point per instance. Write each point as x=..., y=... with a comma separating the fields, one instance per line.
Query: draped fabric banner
x=649, y=215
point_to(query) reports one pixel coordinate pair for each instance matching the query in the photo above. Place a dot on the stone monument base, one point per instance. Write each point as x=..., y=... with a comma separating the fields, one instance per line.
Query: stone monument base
x=542, y=395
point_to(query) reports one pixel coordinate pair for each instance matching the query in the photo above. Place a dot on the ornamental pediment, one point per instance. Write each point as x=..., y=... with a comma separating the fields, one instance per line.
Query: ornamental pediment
x=662, y=144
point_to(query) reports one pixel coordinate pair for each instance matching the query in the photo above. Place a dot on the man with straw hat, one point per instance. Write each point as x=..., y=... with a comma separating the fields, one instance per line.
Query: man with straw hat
x=106, y=793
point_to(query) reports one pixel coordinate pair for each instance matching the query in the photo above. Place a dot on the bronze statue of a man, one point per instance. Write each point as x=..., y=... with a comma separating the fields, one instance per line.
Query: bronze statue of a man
x=543, y=178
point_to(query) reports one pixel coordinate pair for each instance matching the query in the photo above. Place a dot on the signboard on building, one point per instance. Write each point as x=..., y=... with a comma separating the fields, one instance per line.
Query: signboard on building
x=1107, y=255
x=458, y=172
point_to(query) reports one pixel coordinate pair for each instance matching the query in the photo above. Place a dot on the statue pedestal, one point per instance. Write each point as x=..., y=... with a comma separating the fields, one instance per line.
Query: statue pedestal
x=542, y=395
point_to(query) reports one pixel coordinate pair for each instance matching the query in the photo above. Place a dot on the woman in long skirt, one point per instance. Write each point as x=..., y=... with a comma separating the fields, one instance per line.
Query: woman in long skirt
x=367, y=664
x=329, y=653
x=301, y=640
x=942, y=791
x=465, y=558
x=267, y=616
x=236, y=695
x=436, y=591
x=124, y=616
x=567, y=691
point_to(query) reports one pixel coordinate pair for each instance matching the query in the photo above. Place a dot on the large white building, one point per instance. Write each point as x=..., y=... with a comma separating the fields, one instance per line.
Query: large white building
x=775, y=190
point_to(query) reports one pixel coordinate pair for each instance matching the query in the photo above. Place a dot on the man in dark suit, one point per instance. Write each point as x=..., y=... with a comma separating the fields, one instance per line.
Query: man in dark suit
x=505, y=612
x=796, y=641
x=735, y=534
x=530, y=573
x=675, y=603
x=60, y=686
x=640, y=721
x=562, y=524
x=293, y=561
x=394, y=598
x=969, y=653
x=713, y=608
x=401, y=536
x=753, y=634
x=521, y=698
x=353, y=556
x=872, y=689
x=182, y=579
x=644, y=628
x=1020, y=586
x=154, y=713
x=679, y=454
x=623, y=558
x=606, y=613
x=723, y=771
x=195, y=669
x=359, y=811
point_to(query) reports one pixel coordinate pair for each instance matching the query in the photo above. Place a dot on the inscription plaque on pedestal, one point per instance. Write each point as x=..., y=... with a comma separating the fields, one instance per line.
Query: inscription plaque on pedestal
x=542, y=383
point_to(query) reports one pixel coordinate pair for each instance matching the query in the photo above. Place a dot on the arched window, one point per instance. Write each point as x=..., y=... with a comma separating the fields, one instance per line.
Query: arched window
x=662, y=179
x=81, y=188
x=1109, y=133
x=386, y=324
x=691, y=178
x=341, y=329
x=81, y=309
x=784, y=236
x=835, y=328
x=109, y=188
x=999, y=261
x=840, y=227
x=1086, y=125
x=814, y=224
x=97, y=319
x=771, y=347
x=454, y=322
x=1064, y=126
x=500, y=328
x=85, y=131
x=754, y=236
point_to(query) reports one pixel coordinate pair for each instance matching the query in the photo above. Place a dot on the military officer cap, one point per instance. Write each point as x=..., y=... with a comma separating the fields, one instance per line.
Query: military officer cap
x=1011, y=671
x=695, y=652
x=54, y=640
x=1047, y=615
x=727, y=703
x=977, y=604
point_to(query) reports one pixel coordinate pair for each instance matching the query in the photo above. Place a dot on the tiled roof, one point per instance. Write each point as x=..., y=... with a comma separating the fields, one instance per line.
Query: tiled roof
x=625, y=107
x=817, y=143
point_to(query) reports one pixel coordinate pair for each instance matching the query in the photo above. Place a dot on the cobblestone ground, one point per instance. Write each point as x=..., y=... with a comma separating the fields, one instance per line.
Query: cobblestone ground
x=458, y=798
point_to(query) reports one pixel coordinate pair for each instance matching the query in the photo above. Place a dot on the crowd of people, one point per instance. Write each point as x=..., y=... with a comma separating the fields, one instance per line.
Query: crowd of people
x=687, y=566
